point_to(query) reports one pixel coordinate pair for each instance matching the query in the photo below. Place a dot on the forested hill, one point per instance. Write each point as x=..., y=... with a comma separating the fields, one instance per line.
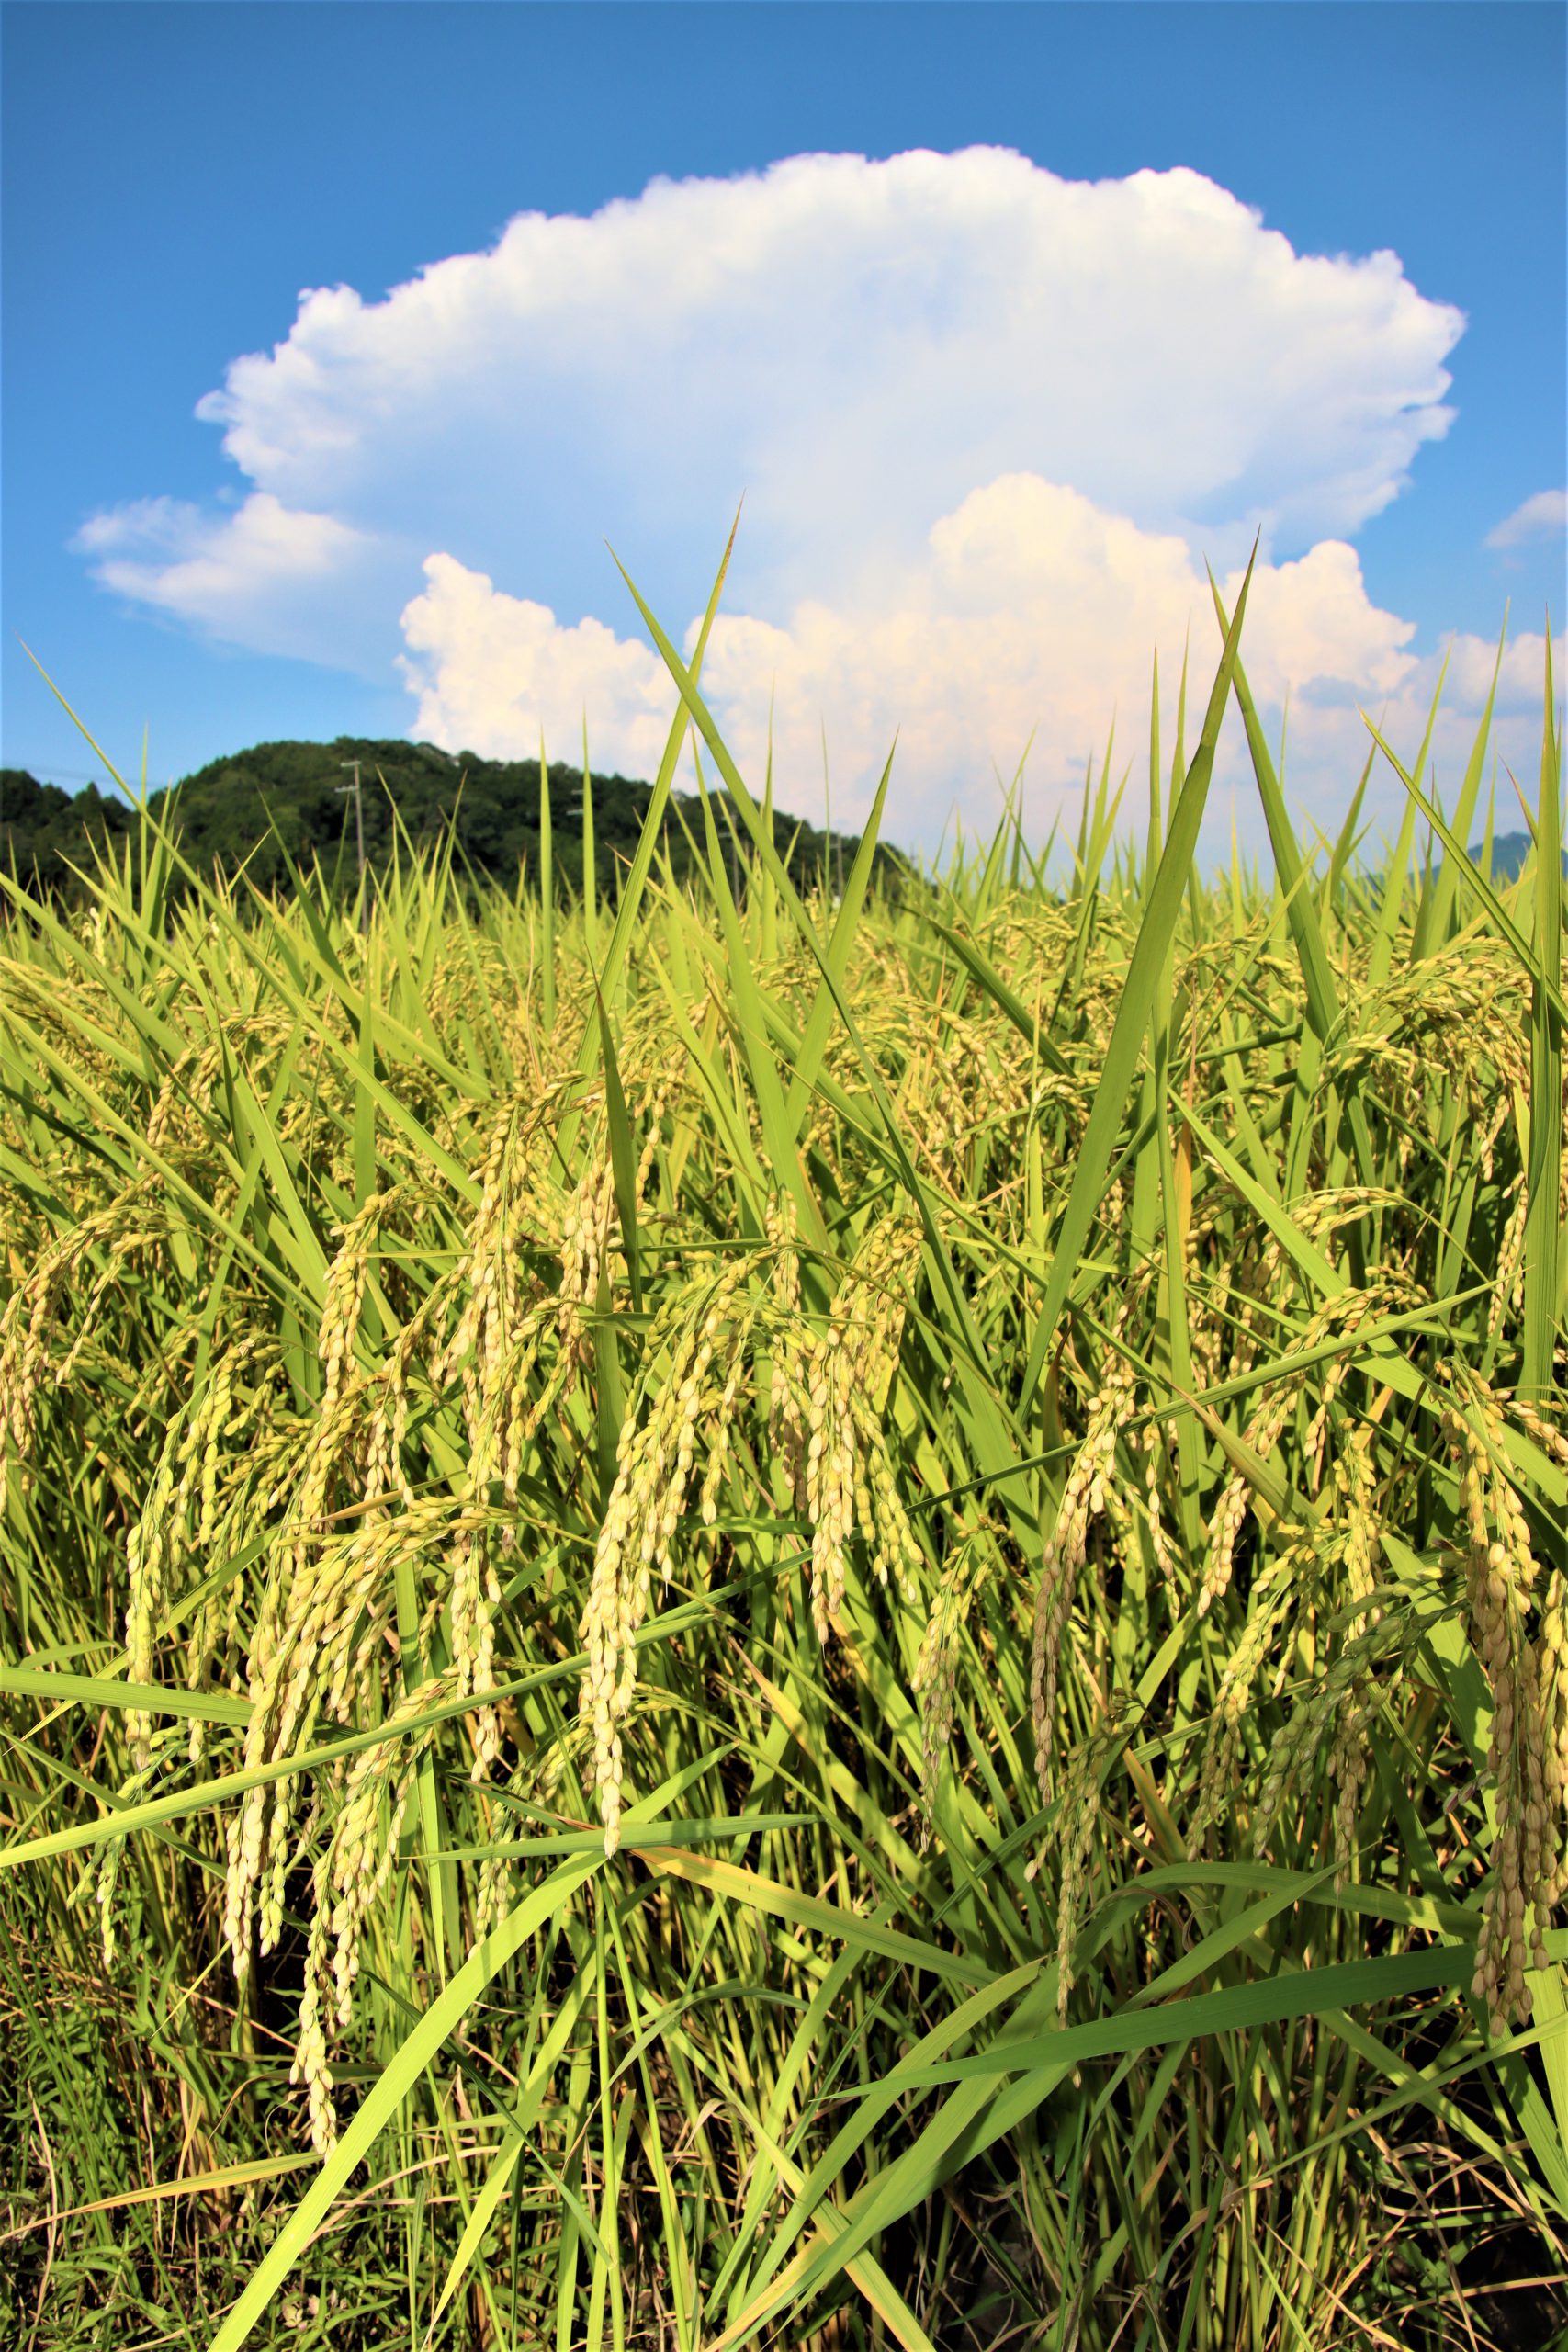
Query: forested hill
x=249, y=808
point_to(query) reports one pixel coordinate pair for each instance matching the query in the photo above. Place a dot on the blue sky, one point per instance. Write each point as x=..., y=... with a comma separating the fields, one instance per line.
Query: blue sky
x=1096, y=301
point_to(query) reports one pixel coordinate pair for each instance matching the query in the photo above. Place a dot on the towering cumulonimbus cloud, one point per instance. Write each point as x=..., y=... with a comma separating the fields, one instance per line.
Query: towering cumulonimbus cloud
x=988, y=423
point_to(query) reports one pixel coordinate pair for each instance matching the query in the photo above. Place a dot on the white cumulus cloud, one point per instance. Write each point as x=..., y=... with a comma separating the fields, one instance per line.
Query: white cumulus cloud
x=1538, y=518
x=265, y=576
x=1032, y=612
x=495, y=674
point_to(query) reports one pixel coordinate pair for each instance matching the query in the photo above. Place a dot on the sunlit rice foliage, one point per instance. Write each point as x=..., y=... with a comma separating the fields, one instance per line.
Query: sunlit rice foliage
x=741, y=1622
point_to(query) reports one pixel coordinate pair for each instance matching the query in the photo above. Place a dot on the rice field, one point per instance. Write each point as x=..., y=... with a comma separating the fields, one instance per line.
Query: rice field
x=734, y=1620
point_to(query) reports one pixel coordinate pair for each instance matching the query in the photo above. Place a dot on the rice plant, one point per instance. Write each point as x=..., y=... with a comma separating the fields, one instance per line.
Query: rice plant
x=734, y=1618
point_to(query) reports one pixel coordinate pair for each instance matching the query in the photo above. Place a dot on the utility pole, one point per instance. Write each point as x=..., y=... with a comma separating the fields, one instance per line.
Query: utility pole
x=358, y=813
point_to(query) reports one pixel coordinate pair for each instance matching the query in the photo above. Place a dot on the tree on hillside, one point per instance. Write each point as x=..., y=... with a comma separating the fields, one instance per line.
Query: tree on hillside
x=279, y=802
x=45, y=832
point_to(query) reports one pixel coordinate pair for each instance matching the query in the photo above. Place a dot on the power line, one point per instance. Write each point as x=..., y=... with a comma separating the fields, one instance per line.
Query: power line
x=51, y=775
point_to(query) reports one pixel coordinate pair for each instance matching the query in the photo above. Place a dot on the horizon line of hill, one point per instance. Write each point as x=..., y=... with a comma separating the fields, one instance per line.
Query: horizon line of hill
x=286, y=802
x=291, y=802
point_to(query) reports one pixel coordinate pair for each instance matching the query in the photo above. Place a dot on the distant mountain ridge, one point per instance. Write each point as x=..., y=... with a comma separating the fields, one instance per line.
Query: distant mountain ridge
x=294, y=797
x=1509, y=851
